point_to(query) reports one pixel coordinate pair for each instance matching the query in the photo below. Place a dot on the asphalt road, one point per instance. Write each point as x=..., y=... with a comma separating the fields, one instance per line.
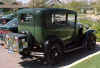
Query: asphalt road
x=14, y=60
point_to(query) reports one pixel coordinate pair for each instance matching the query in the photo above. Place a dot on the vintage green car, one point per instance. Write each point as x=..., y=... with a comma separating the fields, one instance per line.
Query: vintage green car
x=54, y=31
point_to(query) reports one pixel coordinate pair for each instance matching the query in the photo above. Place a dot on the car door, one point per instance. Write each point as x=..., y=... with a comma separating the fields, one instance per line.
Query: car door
x=58, y=24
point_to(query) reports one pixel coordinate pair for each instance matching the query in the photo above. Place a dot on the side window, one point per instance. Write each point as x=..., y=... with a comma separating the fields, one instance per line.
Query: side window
x=59, y=19
x=71, y=19
x=26, y=18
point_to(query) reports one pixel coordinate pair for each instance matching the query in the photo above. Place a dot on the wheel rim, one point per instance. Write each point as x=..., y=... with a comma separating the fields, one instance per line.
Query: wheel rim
x=54, y=52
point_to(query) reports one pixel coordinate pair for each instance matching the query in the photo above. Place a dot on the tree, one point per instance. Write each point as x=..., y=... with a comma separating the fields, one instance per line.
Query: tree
x=96, y=6
x=73, y=5
x=76, y=5
x=9, y=1
x=37, y=3
x=58, y=5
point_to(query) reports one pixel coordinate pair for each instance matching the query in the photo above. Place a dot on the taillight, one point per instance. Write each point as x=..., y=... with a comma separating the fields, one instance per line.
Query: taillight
x=4, y=31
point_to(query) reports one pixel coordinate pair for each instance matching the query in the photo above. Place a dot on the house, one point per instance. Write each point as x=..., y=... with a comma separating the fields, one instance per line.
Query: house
x=11, y=4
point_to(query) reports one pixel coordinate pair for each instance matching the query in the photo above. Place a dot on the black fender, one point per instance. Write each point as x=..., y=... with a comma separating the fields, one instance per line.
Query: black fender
x=51, y=40
x=48, y=44
x=86, y=36
x=30, y=37
x=25, y=32
x=31, y=43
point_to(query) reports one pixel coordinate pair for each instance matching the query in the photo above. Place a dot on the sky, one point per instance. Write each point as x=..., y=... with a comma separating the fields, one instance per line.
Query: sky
x=23, y=1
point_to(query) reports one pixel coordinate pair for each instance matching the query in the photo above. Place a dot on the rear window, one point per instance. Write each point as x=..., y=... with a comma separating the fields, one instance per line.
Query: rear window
x=13, y=22
x=26, y=18
x=55, y=19
x=58, y=18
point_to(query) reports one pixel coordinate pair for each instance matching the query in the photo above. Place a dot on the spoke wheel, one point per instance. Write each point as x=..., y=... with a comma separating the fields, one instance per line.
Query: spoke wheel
x=53, y=53
x=55, y=50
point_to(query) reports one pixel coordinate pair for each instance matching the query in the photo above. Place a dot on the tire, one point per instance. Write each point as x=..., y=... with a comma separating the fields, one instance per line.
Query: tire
x=56, y=50
x=53, y=51
x=91, y=43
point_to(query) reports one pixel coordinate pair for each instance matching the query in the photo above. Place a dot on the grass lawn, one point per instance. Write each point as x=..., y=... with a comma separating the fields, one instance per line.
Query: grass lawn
x=93, y=62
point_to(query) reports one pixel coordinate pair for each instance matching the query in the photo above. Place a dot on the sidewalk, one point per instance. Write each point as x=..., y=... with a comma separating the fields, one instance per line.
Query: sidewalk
x=9, y=60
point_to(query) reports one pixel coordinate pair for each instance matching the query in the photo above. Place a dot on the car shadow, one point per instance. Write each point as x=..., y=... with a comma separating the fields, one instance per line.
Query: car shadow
x=67, y=59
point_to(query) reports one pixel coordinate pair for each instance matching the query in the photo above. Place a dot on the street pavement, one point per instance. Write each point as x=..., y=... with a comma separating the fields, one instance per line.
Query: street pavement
x=13, y=60
x=9, y=60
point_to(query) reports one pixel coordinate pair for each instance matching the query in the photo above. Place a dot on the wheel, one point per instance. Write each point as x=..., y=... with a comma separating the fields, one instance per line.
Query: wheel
x=56, y=50
x=53, y=51
x=91, y=43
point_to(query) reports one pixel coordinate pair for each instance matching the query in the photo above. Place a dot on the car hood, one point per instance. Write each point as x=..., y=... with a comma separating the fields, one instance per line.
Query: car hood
x=4, y=27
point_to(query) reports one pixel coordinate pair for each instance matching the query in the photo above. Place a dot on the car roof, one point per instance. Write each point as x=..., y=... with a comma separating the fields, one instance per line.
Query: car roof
x=36, y=11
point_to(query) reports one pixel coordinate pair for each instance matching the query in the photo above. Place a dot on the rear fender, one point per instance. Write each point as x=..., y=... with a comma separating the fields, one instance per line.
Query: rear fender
x=50, y=41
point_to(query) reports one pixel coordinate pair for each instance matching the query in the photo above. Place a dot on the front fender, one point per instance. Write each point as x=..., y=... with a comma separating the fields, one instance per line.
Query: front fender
x=89, y=32
x=86, y=36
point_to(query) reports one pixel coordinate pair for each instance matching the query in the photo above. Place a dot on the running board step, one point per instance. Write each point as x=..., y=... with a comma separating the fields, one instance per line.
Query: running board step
x=70, y=50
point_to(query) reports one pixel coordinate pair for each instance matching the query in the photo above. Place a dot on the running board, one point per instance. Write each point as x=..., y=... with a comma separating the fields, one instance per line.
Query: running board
x=66, y=51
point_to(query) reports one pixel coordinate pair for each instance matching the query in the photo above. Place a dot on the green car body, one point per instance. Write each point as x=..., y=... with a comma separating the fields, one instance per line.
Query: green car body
x=42, y=25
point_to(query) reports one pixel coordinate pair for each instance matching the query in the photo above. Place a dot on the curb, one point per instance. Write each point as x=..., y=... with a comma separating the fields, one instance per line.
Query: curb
x=81, y=60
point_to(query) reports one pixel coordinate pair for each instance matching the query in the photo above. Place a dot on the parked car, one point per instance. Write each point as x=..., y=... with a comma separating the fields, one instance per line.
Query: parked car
x=9, y=16
x=52, y=32
x=9, y=27
x=12, y=25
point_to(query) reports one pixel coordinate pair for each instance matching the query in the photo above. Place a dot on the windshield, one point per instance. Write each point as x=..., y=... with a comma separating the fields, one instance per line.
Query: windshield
x=6, y=18
x=13, y=23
